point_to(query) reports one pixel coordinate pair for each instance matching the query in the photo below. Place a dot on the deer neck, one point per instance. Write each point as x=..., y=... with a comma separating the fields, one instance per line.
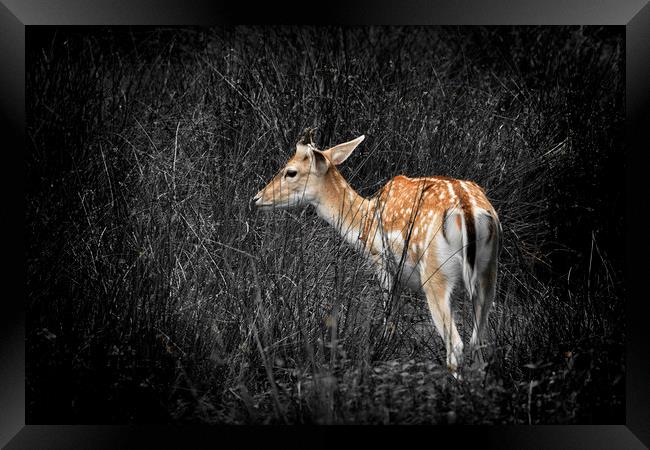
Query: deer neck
x=343, y=208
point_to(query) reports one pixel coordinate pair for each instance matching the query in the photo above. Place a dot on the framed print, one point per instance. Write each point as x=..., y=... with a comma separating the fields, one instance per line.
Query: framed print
x=240, y=221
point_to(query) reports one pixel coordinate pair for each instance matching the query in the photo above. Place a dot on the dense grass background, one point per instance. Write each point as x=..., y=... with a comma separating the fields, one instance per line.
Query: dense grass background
x=156, y=294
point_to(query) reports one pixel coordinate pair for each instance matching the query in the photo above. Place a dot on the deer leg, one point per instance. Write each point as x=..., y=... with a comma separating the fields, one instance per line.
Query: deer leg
x=386, y=283
x=482, y=302
x=438, y=292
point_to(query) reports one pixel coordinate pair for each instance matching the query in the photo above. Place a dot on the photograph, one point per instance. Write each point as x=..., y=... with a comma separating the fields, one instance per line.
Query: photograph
x=325, y=225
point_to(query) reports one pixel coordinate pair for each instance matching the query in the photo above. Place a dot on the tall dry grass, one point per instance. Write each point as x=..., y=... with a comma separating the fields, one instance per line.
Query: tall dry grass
x=155, y=292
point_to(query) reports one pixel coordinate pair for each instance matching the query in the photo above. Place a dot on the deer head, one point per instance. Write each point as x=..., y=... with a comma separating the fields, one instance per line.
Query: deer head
x=308, y=175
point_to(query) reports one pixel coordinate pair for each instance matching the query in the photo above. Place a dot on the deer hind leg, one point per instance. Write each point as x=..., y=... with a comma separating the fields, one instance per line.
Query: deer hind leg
x=438, y=289
x=484, y=296
x=482, y=301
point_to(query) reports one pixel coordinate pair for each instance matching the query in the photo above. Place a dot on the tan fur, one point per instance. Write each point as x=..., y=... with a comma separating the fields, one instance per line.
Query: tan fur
x=402, y=222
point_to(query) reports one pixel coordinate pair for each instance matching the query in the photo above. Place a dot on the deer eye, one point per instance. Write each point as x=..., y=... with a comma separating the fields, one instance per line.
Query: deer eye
x=291, y=173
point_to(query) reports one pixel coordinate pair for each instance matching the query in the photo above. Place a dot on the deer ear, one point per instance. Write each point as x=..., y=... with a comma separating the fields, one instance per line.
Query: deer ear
x=320, y=162
x=340, y=153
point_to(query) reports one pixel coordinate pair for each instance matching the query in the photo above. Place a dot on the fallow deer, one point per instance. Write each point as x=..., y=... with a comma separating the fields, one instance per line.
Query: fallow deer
x=427, y=233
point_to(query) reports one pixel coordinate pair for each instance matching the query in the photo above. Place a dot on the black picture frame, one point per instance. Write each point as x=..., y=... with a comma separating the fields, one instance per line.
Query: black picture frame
x=16, y=15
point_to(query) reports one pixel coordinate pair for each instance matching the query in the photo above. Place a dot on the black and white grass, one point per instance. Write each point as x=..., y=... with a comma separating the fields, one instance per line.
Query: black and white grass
x=158, y=293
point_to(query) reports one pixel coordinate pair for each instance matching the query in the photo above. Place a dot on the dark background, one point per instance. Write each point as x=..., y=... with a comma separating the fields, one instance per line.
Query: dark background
x=533, y=114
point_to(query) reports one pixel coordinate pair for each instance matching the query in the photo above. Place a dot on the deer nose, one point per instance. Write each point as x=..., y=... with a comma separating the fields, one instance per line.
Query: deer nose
x=256, y=198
